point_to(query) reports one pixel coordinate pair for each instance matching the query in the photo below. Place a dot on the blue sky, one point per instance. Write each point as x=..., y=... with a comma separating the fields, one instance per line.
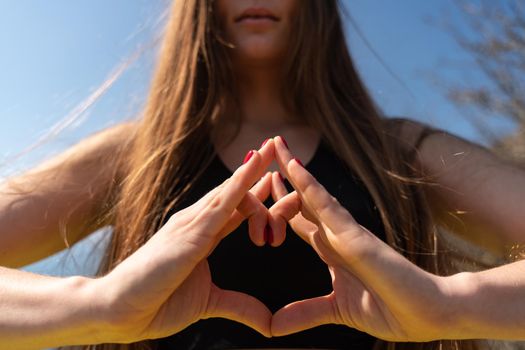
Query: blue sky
x=55, y=53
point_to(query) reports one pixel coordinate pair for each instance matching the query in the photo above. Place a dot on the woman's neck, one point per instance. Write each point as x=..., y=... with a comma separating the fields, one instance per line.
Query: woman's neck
x=263, y=115
x=260, y=99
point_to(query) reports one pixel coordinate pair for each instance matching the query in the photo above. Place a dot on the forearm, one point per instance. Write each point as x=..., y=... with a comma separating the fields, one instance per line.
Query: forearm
x=58, y=203
x=477, y=194
x=41, y=311
x=489, y=304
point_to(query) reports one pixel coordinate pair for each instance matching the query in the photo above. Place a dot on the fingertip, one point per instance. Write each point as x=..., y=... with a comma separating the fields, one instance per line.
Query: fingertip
x=251, y=160
x=257, y=230
x=278, y=176
x=282, y=152
x=302, y=315
x=295, y=163
x=276, y=232
x=297, y=173
x=248, y=156
x=278, y=229
x=281, y=141
x=265, y=179
x=278, y=328
x=266, y=143
x=242, y=308
x=268, y=234
x=250, y=168
x=284, y=322
x=267, y=153
x=279, y=189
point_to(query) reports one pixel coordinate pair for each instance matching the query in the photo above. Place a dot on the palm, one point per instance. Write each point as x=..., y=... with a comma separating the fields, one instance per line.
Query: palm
x=185, y=306
x=359, y=307
x=354, y=302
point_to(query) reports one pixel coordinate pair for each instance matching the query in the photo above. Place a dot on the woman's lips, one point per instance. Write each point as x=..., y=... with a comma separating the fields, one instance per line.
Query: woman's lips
x=256, y=15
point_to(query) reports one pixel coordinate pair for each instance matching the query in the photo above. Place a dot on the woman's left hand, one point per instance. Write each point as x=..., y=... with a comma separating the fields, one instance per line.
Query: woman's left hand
x=375, y=289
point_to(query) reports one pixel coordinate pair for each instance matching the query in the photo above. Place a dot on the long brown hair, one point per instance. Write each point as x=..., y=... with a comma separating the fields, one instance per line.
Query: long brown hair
x=192, y=84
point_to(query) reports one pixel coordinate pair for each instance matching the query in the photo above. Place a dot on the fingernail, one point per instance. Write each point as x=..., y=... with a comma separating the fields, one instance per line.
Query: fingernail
x=248, y=156
x=298, y=161
x=281, y=177
x=264, y=143
x=284, y=141
x=265, y=233
x=268, y=234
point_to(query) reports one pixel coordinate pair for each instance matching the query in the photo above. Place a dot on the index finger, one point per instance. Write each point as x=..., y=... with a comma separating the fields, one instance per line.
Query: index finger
x=221, y=207
x=313, y=195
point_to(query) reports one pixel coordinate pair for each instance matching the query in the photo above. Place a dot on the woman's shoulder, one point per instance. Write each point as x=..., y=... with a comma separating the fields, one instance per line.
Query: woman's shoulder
x=94, y=164
x=93, y=150
x=404, y=128
x=408, y=134
x=111, y=138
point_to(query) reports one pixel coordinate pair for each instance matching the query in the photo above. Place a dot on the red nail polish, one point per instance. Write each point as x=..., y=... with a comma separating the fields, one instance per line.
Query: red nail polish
x=264, y=143
x=298, y=161
x=268, y=234
x=285, y=143
x=247, y=157
x=265, y=233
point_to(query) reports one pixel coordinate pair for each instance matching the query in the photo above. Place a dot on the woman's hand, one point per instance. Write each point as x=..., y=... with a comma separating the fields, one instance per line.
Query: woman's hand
x=166, y=285
x=375, y=289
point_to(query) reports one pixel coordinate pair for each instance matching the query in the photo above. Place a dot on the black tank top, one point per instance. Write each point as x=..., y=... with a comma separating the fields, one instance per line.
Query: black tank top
x=277, y=276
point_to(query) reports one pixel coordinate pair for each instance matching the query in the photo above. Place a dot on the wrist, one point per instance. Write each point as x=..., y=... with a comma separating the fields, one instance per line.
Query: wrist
x=81, y=322
x=93, y=310
x=57, y=312
x=111, y=318
x=100, y=311
x=458, y=295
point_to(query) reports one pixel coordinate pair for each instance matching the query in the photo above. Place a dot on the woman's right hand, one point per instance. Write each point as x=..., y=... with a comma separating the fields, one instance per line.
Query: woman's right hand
x=166, y=284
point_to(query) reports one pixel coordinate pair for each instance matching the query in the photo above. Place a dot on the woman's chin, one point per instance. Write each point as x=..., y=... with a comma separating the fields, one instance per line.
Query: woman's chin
x=258, y=56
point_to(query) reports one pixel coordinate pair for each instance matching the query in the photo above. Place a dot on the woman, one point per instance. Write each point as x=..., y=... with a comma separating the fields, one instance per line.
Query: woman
x=231, y=74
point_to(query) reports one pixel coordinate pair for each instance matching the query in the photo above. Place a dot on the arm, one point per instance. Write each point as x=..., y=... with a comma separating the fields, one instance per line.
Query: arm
x=490, y=304
x=379, y=291
x=41, y=312
x=60, y=202
x=478, y=195
x=159, y=290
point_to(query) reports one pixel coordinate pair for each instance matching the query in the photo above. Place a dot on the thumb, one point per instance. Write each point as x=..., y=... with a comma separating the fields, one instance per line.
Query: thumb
x=240, y=307
x=305, y=314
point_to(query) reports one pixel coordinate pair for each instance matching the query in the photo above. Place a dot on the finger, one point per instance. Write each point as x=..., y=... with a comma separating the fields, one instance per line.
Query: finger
x=303, y=315
x=258, y=221
x=318, y=201
x=267, y=152
x=219, y=210
x=278, y=188
x=240, y=307
x=286, y=208
x=187, y=214
x=260, y=190
x=282, y=156
x=252, y=208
